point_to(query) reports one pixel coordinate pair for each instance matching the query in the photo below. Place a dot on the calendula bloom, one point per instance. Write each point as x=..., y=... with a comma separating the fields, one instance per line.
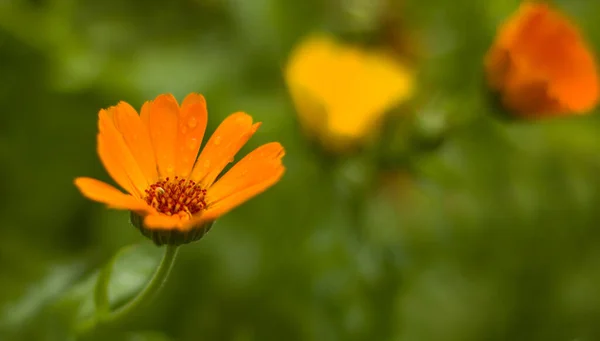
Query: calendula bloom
x=174, y=194
x=540, y=65
x=341, y=91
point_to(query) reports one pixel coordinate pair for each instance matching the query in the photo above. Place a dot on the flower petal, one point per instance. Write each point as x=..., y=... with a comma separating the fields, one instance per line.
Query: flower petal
x=226, y=141
x=162, y=123
x=546, y=48
x=195, y=221
x=162, y=222
x=376, y=83
x=107, y=194
x=145, y=114
x=114, y=168
x=229, y=203
x=117, y=158
x=530, y=96
x=256, y=172
x=136, y=136
x=192, y=125
x=322, y=74
x=552, y=45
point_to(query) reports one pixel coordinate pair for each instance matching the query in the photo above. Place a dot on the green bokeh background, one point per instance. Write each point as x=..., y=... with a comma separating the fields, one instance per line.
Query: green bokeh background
x=493, y=235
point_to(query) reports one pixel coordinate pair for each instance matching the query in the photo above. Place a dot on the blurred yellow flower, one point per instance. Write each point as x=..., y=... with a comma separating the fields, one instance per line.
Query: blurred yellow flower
x=540, y=64
x=174, y=194
x=341, y=91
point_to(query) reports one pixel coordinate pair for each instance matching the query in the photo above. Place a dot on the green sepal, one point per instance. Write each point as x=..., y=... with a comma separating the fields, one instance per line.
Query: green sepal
x=173, y=236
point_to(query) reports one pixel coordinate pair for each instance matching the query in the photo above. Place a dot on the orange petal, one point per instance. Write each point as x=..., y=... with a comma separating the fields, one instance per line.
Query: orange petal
x=256, y=172
x=162, y=221
x=162, y=123
x=114, y=168
x=145, y=114
x=544, y=47
x=238, y=198
x=165, y=222
x=117, y=158
x=194, y=222
x=137, y=138
x=192, y=125
x=226, y=141
x=107, y=194
x=193, y=98
x=553, y=45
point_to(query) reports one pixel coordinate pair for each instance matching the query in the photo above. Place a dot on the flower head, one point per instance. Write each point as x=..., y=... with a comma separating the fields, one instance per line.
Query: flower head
x=540, y=64
x=342, y=91
x=174, y=194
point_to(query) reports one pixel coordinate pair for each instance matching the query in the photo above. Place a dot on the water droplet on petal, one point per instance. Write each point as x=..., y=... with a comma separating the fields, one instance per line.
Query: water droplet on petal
x=218, y=140
x=192, y=122
x=193, y=143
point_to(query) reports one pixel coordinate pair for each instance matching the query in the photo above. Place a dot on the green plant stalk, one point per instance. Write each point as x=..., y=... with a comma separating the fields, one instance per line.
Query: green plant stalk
x=153, y=287
x=126, y=310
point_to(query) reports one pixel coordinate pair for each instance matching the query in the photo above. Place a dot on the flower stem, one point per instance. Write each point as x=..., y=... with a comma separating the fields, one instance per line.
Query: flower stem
x=152, y=288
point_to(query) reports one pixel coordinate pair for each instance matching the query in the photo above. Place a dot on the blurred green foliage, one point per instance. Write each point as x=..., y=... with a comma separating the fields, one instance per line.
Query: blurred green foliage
x=493, y=235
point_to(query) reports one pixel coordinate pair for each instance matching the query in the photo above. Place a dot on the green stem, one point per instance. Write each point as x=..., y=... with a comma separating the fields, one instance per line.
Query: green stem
x=152, y=288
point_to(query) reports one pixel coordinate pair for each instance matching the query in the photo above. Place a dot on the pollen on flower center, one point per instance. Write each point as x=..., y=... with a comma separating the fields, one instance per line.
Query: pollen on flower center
x=176, y=197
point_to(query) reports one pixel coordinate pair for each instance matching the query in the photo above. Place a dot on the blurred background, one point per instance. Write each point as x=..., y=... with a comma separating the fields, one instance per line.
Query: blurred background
x=461, y=226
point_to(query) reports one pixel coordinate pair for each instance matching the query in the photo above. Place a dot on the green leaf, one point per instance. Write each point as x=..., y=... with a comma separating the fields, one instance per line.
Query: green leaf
x=101, y=289
x=122, y=277
x=146, y=336
x=22, y=311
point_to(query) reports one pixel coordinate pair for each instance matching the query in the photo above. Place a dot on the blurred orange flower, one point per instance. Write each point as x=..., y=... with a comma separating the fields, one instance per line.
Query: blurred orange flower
x=152, y=156
x=540, y=64
x=342, y=91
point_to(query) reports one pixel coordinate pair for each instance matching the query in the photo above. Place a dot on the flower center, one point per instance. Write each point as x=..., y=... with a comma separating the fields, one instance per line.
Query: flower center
x=176, y=197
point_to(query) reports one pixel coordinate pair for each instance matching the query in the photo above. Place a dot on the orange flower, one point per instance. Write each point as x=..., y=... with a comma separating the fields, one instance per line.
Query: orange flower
x=540, y=64
x=174, y=197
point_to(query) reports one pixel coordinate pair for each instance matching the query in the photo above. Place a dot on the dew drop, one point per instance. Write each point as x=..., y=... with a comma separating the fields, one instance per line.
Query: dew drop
x=218, y=140
x=192, y=122
x=193, y=143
